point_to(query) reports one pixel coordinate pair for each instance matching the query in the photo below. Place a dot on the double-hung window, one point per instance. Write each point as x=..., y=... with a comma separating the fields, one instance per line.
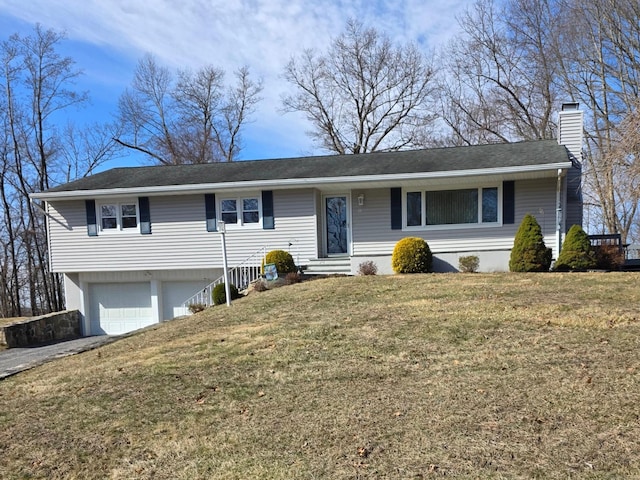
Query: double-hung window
x=459, y=207
x=250, y=210
x=229, y=211
x=244, y=210
x=118, y=216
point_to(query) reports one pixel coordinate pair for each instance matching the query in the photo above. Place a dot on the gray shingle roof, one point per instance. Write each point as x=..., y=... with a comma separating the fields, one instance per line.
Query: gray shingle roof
x=482, y=157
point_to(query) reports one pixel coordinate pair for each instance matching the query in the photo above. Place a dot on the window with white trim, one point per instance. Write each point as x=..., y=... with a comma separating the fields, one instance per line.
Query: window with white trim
x=229, y=211
x=240, y=211
x=118, y=216
x=250, y=210
x=449, y=208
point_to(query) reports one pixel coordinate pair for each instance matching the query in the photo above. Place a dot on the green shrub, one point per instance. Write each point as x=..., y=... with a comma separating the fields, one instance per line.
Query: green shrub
x=219, y=296
x=468, y=264
x=576, y=253
x=411, y=255
x=529, y=253
x=282, y=259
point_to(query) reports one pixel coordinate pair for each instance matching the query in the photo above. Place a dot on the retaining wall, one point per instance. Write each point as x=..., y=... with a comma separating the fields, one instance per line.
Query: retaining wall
x=45, y=328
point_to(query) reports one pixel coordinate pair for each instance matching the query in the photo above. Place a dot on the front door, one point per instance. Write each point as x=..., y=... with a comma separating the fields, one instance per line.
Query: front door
x=336, y=224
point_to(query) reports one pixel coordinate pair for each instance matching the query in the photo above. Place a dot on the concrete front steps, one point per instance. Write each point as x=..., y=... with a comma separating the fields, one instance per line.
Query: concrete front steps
x=328, y=266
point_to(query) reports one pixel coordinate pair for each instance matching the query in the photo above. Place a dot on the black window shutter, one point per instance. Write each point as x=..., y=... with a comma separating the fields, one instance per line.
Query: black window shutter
x=210, y=212
x=145, y=215
x=396, y=208
x=92, y=227
x=508, y=202
x=268, y=222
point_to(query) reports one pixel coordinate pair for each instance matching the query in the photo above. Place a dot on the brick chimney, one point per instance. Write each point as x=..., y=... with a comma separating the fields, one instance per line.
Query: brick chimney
x=570, y=124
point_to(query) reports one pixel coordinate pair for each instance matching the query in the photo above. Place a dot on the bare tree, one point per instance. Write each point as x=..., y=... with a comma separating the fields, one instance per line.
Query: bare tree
x=615, y=177
x=515, y=61
x=499, y=82
x=364, y=94
x=37, y=83
x=191, y=117
x=48, y=78
x=602, y=71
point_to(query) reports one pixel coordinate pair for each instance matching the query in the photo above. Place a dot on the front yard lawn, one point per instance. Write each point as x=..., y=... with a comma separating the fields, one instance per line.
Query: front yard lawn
x=403, y=377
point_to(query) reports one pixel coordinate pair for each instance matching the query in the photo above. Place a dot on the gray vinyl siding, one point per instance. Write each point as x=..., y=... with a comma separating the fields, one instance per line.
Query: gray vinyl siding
x=372, y=234
x=179, y=239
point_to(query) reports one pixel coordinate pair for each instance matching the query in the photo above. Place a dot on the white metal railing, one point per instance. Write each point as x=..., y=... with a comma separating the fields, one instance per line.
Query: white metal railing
x=240, y=276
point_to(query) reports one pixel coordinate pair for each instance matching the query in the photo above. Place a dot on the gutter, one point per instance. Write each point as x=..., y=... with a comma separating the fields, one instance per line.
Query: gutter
x=294, y=182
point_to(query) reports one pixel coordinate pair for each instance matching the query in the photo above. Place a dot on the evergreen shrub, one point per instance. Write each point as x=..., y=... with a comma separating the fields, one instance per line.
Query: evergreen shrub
x=529, y=253
x=576, y=253
x=282, y=259
x=219, y=296
x=411, y=255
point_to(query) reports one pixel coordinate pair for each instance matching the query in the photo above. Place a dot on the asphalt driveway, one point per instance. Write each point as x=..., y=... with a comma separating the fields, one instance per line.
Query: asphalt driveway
x=15, y=360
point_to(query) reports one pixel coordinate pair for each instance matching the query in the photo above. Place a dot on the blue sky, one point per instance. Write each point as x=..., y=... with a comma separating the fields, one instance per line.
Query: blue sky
x=107, y=37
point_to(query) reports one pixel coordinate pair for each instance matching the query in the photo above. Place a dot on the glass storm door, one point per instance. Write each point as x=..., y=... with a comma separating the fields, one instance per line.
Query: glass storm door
x=336, y=220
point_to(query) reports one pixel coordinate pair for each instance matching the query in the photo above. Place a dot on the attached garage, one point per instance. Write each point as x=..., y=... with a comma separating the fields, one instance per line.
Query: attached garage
x=117, y=308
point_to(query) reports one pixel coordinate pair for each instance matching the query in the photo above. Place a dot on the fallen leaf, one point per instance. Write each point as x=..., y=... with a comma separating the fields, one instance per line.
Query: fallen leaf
x=364, y=452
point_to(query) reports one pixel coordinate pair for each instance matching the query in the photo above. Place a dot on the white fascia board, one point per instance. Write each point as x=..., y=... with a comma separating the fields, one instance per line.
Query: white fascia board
x=292, y=182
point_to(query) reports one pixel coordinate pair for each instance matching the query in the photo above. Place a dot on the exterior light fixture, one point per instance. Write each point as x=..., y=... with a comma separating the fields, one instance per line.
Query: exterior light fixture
x=361, y=199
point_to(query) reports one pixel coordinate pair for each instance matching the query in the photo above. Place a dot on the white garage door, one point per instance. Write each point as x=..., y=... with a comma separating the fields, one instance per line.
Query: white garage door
x=117, y=308
x=174, y=295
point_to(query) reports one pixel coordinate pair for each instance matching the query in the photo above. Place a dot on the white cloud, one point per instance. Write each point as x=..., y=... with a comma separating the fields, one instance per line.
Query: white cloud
x=262, y=34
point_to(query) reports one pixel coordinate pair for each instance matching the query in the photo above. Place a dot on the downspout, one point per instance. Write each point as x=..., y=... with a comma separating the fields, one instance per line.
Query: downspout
x=559, y=213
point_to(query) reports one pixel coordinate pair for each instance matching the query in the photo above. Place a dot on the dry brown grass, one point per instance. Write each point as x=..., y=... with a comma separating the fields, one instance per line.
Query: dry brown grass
x=403, y=377
x=10, y=320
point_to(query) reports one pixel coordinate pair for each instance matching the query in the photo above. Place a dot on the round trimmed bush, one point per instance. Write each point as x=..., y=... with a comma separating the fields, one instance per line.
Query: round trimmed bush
x=529, y=253
x=282, y=259
x=411, y=255
x=219, y=296
x=576, y=253
x=469, y=263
